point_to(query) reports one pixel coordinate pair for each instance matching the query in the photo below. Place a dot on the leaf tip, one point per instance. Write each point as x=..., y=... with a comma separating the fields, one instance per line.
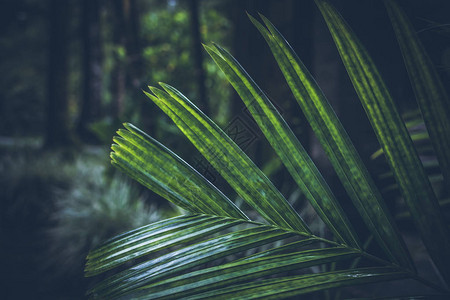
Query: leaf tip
x=155, y=92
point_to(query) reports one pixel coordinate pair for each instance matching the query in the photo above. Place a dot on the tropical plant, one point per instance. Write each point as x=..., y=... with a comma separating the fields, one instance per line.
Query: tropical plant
x=185, y=256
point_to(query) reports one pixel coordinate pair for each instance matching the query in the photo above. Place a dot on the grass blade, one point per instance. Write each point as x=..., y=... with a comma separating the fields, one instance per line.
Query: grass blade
x=394, y=139
x=338, y=147
x=287, y=146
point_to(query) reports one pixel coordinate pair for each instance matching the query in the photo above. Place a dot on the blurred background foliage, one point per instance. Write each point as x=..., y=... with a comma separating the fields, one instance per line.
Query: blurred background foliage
x=72, y=71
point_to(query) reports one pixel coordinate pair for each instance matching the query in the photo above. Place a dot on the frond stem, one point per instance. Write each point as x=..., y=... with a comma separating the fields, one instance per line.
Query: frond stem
x=371, y=257
x=409, y=273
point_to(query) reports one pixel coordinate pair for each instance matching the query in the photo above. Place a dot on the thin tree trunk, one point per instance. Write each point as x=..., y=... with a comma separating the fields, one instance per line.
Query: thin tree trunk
x=134, y=48
x=118, y=90
x=92, y=69
x=57, y=127
x=197, y=51
x=136, y=64
x=119, y=71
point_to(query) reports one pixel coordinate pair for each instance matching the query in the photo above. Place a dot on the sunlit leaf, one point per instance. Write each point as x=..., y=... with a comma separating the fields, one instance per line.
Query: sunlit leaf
x=337, y=145
x=287, y=146
x=228, y=159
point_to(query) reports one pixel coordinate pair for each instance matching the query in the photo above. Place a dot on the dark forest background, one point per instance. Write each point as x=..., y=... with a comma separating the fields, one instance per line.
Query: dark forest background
x=71, y=72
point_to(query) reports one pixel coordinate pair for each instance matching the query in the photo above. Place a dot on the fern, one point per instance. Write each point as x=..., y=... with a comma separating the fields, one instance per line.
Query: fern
x=189, y=256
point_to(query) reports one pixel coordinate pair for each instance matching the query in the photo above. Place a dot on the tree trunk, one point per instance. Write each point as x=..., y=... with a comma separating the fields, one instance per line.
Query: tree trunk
x=119, y=72
x=197, y=52
x=92, y=69
x=135, y=71
x=57, y=127
x=134, y=48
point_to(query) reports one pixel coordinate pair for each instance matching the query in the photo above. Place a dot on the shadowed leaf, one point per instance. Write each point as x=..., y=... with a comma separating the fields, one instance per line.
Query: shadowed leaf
x=394, y=139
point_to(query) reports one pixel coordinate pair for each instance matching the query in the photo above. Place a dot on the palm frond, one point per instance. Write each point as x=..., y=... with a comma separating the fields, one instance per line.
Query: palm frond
x=216, y=250
x=394, y=139
x=430, y=93
x=296, y=285
x=190, y=256
x=168, y=175
x=336, y=143
x=153, y=238
x=228, y=159
x=422, y=142
x=288, y=147
x=231, y=273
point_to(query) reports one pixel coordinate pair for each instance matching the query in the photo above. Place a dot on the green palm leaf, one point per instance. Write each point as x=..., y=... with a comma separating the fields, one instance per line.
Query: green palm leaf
x=228, y=159
x=215, y=250
x=191, y=256
x=394, y=139
x=169, y=175
x=153, y=238
x=336, y=143
x=430, y=93
x=284, y=248
x=190, y=232
x=235, y=272
x=297, y=285
x=287, y=146
x=422, y=142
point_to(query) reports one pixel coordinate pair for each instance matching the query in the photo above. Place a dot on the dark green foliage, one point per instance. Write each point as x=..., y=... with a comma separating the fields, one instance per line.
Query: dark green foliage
x=196, y=256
